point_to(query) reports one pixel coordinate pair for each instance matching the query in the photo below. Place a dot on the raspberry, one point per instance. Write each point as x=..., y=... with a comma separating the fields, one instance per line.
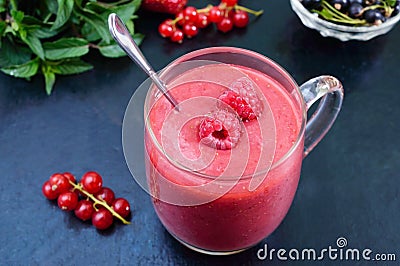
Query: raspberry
x=220, y=130
x=243, y=99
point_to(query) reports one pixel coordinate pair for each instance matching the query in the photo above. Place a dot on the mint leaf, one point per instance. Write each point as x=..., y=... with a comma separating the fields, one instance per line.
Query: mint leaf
x=37, y=28
x=3, y=27
x=12, y=53
x=70, y=66
x=97, y=7
x=391, y=3
x=90, y=33
x=43, y=32
x=95, y=20
x=18, y=16
x=65, y=48
x=113, y=50
x=31, y=22
x=46, y=9
x=63, y=13
x=50, y=79
x=130, y=26
x=125, y=11
x=138, y=38
x=2, y=5
x=34, y=43
x=26, y=70
x=97, y=23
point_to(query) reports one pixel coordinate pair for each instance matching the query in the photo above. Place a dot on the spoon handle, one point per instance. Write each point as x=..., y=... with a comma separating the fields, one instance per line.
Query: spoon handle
x=122, y=36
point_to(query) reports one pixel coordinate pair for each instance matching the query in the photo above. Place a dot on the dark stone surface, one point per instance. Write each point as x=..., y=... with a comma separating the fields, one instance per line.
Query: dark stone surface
x=349, y=185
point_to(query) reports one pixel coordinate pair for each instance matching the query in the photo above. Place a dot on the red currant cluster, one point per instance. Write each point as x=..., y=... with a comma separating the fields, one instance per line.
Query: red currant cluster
x=225, y=16
x=88, y=198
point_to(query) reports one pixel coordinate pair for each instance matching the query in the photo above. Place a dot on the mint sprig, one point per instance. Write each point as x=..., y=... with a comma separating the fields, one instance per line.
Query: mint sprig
x=50, y=37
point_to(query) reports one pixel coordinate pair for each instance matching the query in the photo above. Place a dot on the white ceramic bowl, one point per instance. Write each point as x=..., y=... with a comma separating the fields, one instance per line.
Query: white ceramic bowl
x=341, y=32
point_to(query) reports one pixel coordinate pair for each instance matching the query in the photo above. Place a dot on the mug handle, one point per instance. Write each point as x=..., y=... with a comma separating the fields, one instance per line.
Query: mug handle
x=330, y=90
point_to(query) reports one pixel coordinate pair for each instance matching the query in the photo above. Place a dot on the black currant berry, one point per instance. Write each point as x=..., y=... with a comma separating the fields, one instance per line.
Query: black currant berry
x=396, y=9
x=311, y=4
x=373, y=16
x=355, y=10
x=372, y=2
x=340, y=5
x=356, y=2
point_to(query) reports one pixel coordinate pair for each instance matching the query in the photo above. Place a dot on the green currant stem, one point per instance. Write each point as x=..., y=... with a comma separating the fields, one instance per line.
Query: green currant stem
x=204, y=10
x=222, y=6
x=389, y=12
x=361, y=22
x=227, y=10
x=250, y=11
x=98, y=202
x=332, y=14
x=373, y=7
x=335, y=12
x=175, y=21
x=334, y=18
x=388, y=9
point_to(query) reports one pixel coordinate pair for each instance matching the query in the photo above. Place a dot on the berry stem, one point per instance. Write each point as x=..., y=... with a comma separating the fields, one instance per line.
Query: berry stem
x=248, y=10
x=205, y=9
x=388, y=9
x=373, y=7
x=99, y=202
x=385, y=6
x=173, y=22
x=332, y=14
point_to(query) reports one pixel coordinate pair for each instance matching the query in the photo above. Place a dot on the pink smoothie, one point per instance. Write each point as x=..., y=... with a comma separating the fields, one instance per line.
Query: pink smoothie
x=240, y=218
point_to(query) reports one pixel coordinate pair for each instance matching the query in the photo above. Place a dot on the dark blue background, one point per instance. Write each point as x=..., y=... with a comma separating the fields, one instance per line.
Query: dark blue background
x=349, y=185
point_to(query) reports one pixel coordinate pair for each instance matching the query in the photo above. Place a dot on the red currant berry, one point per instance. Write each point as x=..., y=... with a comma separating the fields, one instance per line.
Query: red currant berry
x=84, y=210
x=229, y=2
x=122, y=207
x=190, y=14
x=240, y=19
x=67, y=201
x=70, y=177
x=225, y=25
x=59, y=183
x=48, y=192
x=215, y=14
x=177, y=36
x=166, y=29
x=106, y=194
x=230, y=14
x=202, y=21
x=92, y=182
x=190, y=30
x=102, y=219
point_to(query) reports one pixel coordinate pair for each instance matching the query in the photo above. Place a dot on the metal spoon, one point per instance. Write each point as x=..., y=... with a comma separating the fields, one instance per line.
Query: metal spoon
x=122, y=36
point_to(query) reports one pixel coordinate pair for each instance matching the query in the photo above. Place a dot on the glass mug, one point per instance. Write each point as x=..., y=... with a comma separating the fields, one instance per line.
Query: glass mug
x=224, y=199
